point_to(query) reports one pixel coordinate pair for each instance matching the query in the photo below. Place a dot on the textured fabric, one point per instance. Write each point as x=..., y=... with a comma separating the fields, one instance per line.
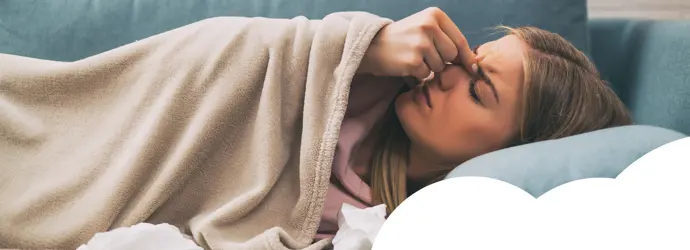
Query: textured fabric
x=225, y=128
x=370, y=97
x=648, y=63
x=542, y=166
x=73, y=29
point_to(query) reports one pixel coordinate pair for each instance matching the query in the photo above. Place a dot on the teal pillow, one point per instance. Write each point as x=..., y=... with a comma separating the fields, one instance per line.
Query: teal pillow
x=69, y=30
x=542, y=166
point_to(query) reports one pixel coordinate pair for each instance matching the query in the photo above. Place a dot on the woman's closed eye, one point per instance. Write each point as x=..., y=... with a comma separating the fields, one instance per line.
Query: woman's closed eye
x=473, y=90
x=475, y=94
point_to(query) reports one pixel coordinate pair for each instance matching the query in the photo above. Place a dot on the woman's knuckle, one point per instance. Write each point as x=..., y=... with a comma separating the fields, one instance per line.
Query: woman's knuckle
x=421, y=43
x=414, y=61
x=462, y=39
x=422, y=46
x=434, y=10
x=427, y=25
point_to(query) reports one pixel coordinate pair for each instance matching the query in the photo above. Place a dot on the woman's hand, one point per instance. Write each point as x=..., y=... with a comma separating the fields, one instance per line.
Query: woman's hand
x=416, y=46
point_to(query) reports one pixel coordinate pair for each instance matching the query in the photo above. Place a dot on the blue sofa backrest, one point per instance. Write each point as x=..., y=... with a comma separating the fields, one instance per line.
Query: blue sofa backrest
x=79, y=28
x=648, y=63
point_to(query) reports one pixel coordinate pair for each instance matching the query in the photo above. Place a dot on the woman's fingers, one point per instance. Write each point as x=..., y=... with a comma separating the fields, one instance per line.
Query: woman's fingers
x=416, y=46
x=444, y=45
x=464, y=55
x=422, y=72
x=433, y=59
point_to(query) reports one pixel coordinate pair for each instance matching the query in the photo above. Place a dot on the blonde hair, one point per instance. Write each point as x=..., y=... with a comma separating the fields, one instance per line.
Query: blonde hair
x=563, y=96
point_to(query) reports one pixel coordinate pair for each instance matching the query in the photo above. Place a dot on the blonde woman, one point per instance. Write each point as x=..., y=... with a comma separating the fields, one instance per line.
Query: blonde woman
x=250, y=133
x=530, y=85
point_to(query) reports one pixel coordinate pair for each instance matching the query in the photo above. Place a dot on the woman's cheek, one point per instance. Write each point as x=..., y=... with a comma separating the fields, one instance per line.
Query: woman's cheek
x=459, y=103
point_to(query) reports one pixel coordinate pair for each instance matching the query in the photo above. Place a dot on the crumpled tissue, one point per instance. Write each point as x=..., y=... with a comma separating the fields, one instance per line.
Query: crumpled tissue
x=357, y=228
x=142, y=236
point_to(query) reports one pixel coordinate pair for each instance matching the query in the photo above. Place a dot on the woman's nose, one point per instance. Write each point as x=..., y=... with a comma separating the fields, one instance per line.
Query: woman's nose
x=453, y=76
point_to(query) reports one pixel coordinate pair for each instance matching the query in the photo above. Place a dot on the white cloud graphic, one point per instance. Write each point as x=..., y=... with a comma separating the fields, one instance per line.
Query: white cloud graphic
x=645, y=207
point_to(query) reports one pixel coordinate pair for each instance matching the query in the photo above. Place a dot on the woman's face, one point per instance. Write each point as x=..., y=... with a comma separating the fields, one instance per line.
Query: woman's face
x=457, y=127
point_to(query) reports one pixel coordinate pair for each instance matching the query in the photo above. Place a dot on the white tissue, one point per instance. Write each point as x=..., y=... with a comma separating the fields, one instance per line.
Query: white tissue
x=142, y=236
x=357, y=228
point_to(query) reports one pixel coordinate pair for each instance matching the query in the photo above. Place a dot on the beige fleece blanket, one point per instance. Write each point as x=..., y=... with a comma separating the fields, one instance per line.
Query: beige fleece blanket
x=225, y=128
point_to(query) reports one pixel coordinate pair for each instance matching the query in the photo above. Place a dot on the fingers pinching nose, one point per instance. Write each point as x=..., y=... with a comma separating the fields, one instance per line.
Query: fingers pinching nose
x=475, y=68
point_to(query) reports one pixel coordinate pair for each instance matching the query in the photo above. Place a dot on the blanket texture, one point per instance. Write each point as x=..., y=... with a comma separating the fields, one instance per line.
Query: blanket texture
x=225, y=128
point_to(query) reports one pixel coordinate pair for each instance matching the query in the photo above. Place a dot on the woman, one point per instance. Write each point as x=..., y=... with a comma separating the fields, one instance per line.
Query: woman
x=531, y=85
x=229, y=128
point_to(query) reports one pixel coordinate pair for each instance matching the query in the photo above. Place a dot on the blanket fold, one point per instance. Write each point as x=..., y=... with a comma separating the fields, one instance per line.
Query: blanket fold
x=225, y=128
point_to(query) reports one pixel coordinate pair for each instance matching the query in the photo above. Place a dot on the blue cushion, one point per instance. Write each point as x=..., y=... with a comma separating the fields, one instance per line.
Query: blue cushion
x=73, y=29
x=542, y=166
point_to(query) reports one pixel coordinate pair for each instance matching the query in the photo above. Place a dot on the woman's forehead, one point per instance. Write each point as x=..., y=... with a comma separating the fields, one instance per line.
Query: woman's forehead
x=508, y=51
x=505, y=59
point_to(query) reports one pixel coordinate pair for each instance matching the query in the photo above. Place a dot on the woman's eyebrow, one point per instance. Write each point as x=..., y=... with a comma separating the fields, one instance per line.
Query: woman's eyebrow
x=486, y=78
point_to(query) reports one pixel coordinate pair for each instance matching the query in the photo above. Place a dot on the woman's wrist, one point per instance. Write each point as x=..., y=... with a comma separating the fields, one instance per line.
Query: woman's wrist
x=365, y=65
x=369, y=60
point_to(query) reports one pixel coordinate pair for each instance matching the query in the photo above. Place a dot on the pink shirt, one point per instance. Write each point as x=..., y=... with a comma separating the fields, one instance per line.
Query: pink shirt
x=369, y=100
